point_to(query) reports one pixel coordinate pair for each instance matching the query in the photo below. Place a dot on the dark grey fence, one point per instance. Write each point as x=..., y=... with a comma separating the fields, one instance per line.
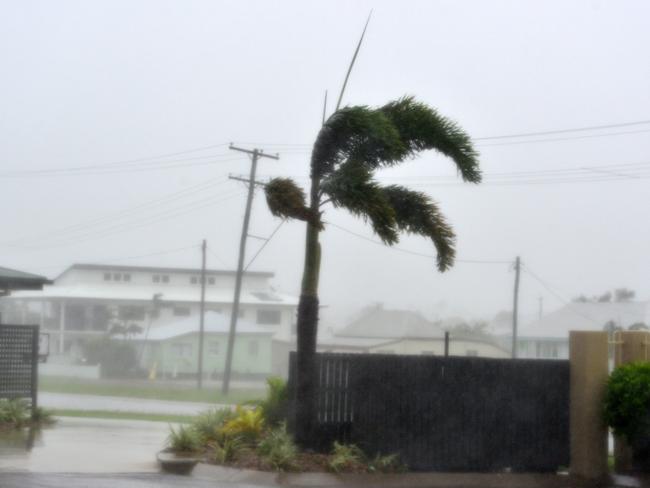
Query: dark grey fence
x=445, y=414
x=19, y=362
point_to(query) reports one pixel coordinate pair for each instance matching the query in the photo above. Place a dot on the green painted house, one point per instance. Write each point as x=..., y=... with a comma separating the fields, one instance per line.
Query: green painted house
x=171, y=350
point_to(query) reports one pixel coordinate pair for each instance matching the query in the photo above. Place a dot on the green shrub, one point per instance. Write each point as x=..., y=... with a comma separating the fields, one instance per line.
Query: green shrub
x=42, y=417
x=185, y=439
x=247, y=424
x=274, y=406
x=346, y=457
x=116, y=358
x=386, y=464
x=14, y=412
x=278, y=449
x=627, y=401
x=227, y=449
x=208, y=424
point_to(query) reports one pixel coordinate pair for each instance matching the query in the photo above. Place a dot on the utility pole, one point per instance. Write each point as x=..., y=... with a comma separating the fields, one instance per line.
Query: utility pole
x=199, y=378
x=515, y=308
x=255, y=154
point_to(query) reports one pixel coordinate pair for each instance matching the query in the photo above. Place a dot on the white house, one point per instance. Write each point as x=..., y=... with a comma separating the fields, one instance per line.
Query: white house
x=548, y=337
x=85, y=299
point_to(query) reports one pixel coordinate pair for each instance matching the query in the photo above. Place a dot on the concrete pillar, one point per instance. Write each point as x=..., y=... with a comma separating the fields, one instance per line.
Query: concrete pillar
x=589, y=373
x=629, y=346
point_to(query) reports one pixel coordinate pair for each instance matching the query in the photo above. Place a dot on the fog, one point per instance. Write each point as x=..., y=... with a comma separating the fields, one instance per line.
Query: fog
x=92, y=83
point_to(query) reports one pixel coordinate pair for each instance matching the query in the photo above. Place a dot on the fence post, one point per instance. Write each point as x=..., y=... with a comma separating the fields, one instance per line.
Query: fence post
x=629, y=346
x=589, y=372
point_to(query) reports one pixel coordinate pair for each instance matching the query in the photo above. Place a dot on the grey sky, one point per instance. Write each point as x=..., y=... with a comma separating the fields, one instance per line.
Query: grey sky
x=88, y=83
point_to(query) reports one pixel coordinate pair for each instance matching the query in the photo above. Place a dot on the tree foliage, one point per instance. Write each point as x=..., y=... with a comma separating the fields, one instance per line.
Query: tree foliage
x=357, y=141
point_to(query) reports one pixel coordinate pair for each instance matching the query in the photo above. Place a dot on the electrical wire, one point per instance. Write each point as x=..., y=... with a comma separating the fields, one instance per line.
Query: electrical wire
x=184, y=193
x=267, y=240
x=415, y=253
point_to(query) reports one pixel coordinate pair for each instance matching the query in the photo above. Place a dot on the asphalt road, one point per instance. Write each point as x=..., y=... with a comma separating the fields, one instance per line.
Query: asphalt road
x=62, y=401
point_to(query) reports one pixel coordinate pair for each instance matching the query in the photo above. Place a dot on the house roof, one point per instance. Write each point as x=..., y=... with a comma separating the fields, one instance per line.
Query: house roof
x=379, y=323
x=214, y=323
x=586, y=316
x=12, y=279
x=171, y=294
x=155, y=269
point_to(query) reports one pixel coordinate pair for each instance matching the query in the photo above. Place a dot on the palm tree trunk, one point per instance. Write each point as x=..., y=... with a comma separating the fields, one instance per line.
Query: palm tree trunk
x=307, y=330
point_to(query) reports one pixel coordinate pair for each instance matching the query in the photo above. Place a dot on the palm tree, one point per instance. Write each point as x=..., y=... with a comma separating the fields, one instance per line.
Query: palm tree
x=352, y=144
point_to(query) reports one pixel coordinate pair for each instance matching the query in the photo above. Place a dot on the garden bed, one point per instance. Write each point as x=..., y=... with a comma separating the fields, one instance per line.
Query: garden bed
x=255, y=437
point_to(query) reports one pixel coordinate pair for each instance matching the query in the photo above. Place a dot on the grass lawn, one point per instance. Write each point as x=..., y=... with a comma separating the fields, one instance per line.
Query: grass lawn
x=106, y=414
x=142, y=389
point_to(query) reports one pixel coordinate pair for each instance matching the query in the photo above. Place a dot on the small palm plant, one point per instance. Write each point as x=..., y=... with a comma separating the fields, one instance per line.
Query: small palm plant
x=353, y=143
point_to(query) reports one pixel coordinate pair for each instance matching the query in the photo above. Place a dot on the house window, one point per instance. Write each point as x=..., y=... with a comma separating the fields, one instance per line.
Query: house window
x=253, y=348
x=194, y=280
x=211, y=280
x=182, y=350
x=165, y=279
x=155, y=278
x=471, y=352
x=107, y=277
x=117, y=276
x=213, y=348
x=127, y=277
x=181, y=311
x=271, y=317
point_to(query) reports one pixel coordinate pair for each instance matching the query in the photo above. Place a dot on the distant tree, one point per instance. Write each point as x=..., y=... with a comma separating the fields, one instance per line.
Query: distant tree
x=478, y=327
x=623, y=295
x=605, y=297
x=611, y=327
x=581, y=299
x=638, y=326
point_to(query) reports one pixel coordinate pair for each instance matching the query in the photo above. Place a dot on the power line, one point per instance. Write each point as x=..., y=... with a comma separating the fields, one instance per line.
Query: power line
x=90, y=171
x=184, y=193
x=563, y=131
x=126, y=258
x=556, y=139
x=415, y=253
x=266, y=241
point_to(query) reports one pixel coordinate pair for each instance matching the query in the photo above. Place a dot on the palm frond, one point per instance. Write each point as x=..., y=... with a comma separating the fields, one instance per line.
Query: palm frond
x=351, y=187
x=355, y=133
x=389, y=135
x=421, y=128
x=416, y=213
x=287, y=200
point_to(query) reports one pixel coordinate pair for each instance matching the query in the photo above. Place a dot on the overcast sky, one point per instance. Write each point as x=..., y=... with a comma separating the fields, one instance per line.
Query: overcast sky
x=85, y=84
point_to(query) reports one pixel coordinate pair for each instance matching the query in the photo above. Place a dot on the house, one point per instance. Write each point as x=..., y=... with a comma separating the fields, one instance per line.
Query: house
x=12, y=279
x=86, y=300
x=172, y=349
x=548, y=337
x=383, y=331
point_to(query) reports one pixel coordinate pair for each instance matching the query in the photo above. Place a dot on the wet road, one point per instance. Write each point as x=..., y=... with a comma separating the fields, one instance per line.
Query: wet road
x=78, y=445
x=38, y=480
x=62, y=401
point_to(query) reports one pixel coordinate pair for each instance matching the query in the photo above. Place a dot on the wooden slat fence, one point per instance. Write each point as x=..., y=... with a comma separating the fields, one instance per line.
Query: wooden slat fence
x=445, y=414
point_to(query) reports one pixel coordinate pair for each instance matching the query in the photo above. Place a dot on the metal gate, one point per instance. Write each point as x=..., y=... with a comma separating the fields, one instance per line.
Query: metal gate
x=19, y=362
x=445, y=414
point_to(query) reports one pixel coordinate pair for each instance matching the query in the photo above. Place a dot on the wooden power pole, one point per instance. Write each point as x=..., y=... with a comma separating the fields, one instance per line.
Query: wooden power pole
x=255, y=154
x=515, y=307
x=199, y=379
